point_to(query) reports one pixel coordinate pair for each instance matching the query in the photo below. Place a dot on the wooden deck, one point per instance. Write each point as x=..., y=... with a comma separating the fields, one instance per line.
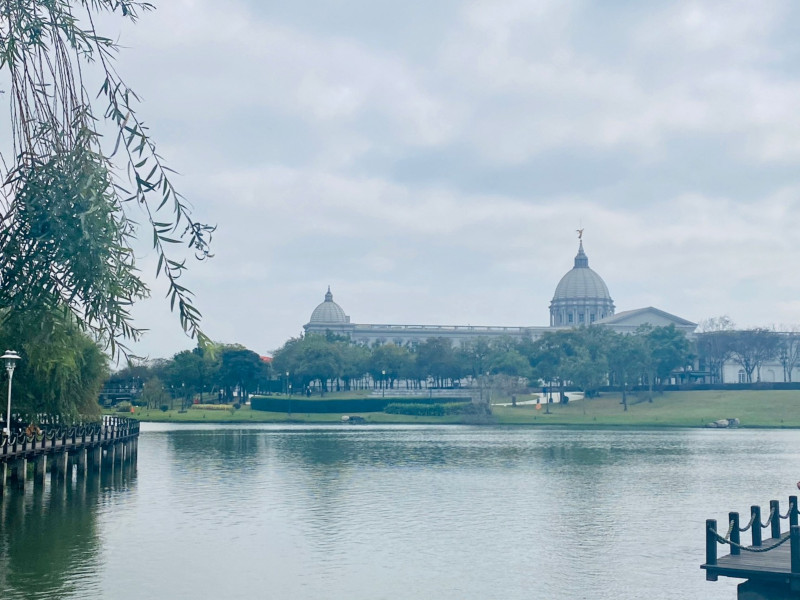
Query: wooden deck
x=774, y=565
x=87, y=446
x=771, y=561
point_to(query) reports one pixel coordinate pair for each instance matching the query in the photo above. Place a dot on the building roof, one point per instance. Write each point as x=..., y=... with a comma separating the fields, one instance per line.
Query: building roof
x=329, y=312
x=648, y=315
x=581, y=282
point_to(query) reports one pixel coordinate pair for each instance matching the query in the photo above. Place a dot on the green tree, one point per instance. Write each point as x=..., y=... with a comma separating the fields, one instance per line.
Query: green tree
x=153, y=393
x=394, y=361
x=510, y=363
x=242, y=369
x=586, y=362
x=355, y=358
x=62, y=369
x=437, y=359
x=548, y=355
x=665, y=350
x=625, y=361
x=66, y=199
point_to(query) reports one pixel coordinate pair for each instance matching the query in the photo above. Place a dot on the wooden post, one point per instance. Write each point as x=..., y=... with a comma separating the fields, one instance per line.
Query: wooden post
x=775, y=519
x=60, y=465
x=80, y=456
x=711, y=546
x=3, y=471
x=18, y=472
x=735, y=536
x=792, y=510
x=110, y=454
x=39, y=468
x=755, y=513
x=794, y=541
x=97, y=457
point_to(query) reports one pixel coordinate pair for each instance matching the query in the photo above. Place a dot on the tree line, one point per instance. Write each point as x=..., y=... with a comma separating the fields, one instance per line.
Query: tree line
x=217, y=372
x=587, y=358
x=719, y=342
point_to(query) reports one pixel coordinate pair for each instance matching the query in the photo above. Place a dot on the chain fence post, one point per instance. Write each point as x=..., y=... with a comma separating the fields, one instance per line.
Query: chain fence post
x=711, y=543
x=755, y=512
x=775, y=518
x=733, y=519
x=794, y=548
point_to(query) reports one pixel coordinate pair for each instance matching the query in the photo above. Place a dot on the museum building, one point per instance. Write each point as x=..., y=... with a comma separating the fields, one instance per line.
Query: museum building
x=581, y=298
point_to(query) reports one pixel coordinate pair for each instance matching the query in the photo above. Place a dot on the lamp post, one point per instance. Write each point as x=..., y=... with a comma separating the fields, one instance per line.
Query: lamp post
x=10, y=358
x=383, y=382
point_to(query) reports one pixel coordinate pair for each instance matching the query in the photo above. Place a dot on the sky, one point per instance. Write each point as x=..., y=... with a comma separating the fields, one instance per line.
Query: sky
x=432, y=161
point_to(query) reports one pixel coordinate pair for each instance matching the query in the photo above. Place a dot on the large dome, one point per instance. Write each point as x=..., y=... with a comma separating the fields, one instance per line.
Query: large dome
x=581, y=296
x=328, y=312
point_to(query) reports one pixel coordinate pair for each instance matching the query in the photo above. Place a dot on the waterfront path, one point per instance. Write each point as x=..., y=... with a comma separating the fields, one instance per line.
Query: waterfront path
x=87, y=446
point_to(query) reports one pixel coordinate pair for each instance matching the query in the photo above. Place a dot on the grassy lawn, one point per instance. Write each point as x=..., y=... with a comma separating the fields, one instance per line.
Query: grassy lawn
x=681, y=409
x=671, y=409
x=246, y=415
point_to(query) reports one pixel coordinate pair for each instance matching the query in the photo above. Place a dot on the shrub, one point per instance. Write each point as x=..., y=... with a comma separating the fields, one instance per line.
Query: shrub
x=210, y=407
x=417, y=410
x=338, y=405
x=124, y=407
x=437, y=410
x=164, y=407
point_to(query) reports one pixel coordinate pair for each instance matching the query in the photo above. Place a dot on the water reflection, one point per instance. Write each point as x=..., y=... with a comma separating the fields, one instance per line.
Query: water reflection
x=49, y=538
x=394, y=512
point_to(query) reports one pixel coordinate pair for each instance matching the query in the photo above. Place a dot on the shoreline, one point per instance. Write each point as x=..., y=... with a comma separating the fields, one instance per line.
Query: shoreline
x=693, y=409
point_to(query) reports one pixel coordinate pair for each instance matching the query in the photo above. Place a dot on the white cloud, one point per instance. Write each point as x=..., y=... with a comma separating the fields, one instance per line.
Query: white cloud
x=446, y=187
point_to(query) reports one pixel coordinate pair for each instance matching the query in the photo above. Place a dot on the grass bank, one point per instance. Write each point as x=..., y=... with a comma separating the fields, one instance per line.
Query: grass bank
x=246, y=415
x=671, y=409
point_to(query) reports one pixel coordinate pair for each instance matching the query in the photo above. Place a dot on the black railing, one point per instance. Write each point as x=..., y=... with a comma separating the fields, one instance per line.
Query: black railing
x=51, y=433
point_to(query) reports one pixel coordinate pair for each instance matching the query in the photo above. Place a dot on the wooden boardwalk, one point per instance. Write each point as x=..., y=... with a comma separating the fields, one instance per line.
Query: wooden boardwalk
x=88, y=446
x=771, y=565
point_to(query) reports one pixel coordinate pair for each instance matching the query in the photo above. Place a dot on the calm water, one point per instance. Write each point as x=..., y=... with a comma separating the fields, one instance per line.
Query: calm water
x=394, y=512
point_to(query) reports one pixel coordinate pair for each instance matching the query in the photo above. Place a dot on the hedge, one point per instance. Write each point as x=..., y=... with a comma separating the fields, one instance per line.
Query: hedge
x=340, y=405
x=437, y=410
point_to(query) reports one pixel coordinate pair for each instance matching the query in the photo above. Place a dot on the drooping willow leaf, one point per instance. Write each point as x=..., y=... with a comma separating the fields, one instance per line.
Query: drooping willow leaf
x=67, y=219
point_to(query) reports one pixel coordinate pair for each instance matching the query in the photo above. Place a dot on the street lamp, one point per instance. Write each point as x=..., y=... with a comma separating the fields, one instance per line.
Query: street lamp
x=383, y=383
x=286, y=384
x=10, y=358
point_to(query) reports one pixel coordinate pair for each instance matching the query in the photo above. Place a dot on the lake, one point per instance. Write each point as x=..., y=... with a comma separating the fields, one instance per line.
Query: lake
x=395, y=512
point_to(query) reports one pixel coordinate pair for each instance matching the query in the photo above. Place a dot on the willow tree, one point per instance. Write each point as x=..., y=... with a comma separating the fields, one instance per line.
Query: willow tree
x=72, y=201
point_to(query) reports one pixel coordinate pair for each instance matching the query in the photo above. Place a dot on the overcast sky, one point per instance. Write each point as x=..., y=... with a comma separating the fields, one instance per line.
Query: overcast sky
x=431, y=161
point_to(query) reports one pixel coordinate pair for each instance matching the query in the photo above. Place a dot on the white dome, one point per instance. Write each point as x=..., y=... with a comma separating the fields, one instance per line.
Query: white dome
x=581, y=297
x=328, y=312
x=581, y=283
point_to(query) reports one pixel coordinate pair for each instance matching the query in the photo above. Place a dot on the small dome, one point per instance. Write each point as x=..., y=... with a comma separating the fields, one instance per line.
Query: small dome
x=581, y=282
x=328, y=312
